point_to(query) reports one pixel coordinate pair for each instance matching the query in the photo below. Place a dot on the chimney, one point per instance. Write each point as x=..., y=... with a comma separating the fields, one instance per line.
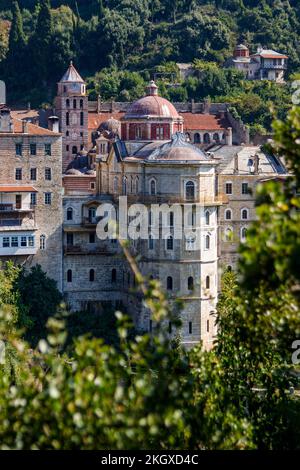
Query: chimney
x=256, y=164
x=206, y=106
x=236, y=163
x=24, y=127
x=193, y=106
x=28, y=106
x=229, y=136
x=53, y=124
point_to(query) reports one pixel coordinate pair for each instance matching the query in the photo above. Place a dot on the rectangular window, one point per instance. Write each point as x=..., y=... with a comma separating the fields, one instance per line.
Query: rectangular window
x=92, y=238
x=70, y=239
x=24, y=241
x=31, y=241
x=5, y=242
x=228, y=188
x=47, y=149
x=19, y=150
x=48, y=198
x=48, y=174
x=32, y=149
x=245, y=188
x=33, y=174
x=14, y=241
x=18, y=174
x=190, y=327
x=33, y=199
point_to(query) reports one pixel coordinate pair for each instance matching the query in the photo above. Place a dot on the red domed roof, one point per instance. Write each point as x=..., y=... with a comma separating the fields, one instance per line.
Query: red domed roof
x=152, y=105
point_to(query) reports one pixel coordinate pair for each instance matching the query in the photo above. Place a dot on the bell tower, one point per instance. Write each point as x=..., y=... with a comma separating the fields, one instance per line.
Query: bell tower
x=71, y=107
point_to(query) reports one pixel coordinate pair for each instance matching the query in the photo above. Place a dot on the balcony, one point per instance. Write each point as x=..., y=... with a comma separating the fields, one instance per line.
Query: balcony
x=86, y=250
x=14, y=244
x=9, y=207
x=17, y=220
x=274, y=66
x=90, y=221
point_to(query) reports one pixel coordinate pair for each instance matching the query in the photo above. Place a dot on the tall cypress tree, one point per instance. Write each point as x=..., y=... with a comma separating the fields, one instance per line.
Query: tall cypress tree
x=17, y=41
x=41, y=41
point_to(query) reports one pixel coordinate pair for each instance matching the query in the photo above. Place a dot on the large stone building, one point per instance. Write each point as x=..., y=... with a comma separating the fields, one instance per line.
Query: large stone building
x=147, y=155
x=30, y=194
x=194, y=158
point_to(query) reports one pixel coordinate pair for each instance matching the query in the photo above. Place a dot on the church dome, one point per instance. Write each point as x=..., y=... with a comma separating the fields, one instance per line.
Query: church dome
x=152, y=105
x=110, y=125
x=178, y=150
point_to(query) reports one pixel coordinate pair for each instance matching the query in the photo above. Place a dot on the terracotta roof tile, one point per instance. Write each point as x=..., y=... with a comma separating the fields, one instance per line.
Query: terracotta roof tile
x=207, y=122
x=17, y=189
x=32, y=129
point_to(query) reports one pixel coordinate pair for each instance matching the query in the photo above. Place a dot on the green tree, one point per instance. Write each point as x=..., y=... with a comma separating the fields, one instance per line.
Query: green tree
x=42, y=298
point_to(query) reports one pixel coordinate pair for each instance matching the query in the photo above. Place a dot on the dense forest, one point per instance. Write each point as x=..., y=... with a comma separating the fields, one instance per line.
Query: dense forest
x=119, y=44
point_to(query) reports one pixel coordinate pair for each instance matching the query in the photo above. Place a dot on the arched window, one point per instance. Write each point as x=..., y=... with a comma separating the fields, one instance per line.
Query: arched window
x=74, y=150
x=137, y=186
x=187, y=137
x=243, y=234
x=92, y=275
x=207, y=242
x=114, y=276
x=171, y=219
x=207, y=282
x=81, y=118
x=74, y=104
x=169, y=283
x=124, y=186
x=150, y=217
x=67, y=118
x=151, y=242
x=152, y=187
x=228, y=234
x=190, y=283
x=229, y=268
x=116, y=184
x=228, y=214
x=207, y=217
x=190, y=190
x=81, y=104
x=197, y=139
x=69, y=213
x=244, y=214
x=68, y=103
x=206, y=138
x=69, y=275
x=42, y=242
x=170, y=243
x=216, y=137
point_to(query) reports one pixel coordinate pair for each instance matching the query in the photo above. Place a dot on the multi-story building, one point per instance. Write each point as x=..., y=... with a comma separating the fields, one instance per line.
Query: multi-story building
x=71, y=106
x=151, y=164
x=30, y=194
x=265, y=64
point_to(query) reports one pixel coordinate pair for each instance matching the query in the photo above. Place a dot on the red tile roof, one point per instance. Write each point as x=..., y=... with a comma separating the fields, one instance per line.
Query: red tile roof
x=208, y=122
x=191, y=121
x=17, y=189
x=32, y=129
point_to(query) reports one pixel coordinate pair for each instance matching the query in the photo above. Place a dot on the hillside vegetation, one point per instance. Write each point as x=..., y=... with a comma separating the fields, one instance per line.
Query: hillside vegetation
x=120, y=44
